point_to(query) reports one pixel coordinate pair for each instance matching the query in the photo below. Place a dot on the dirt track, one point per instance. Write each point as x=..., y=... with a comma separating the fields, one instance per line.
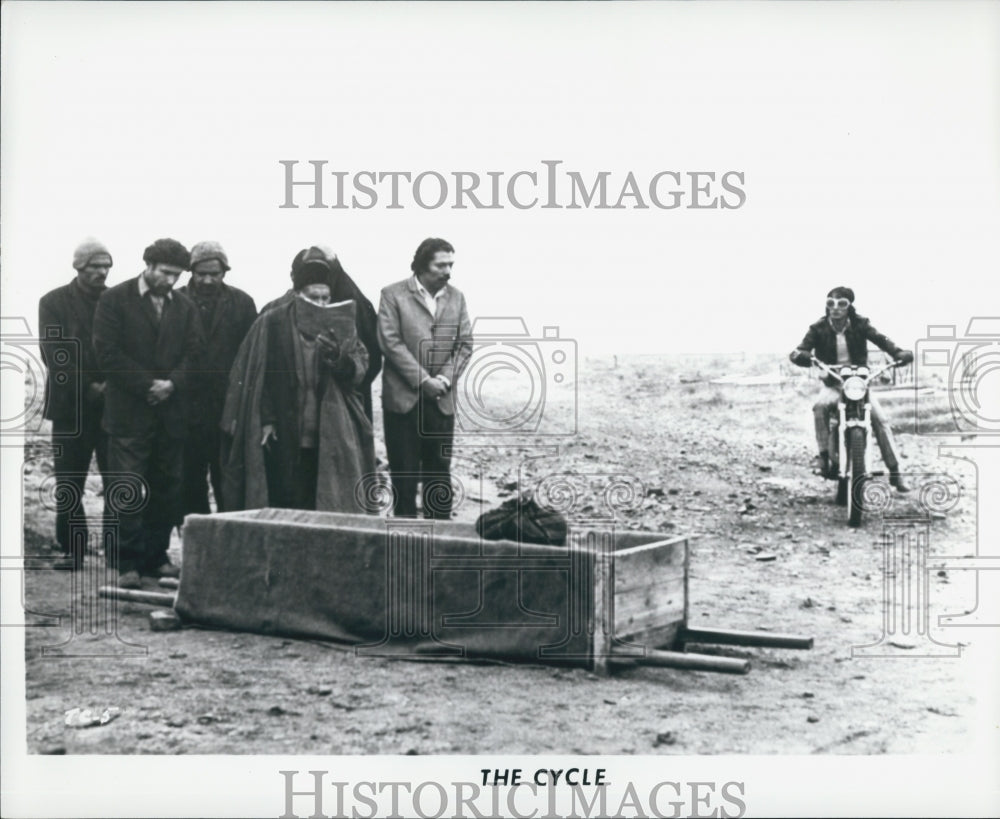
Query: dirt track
x=730, y=464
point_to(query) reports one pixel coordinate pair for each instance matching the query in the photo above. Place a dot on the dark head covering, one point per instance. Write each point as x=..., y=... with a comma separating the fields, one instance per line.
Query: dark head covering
x=342, y=288
x=167, y=251
x=841, y=292
x=311, y=271
x=317, y=258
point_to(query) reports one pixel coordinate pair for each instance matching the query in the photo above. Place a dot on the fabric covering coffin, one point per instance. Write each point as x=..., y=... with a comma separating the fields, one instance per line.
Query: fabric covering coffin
x=389, y=586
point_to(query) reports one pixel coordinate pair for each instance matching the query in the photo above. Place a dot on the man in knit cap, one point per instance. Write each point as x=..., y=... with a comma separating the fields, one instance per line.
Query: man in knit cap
x=225, y=314
x=148, y=342
x=74, y=391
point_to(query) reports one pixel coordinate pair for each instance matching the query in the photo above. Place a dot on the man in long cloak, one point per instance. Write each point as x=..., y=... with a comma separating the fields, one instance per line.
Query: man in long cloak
x=299, y=435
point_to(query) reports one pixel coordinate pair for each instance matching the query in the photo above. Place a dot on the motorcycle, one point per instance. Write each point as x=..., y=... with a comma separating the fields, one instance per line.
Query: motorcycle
x=850, y=433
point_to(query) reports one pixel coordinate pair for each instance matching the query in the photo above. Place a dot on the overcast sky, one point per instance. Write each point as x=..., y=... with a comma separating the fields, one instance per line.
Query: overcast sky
x=867, y=133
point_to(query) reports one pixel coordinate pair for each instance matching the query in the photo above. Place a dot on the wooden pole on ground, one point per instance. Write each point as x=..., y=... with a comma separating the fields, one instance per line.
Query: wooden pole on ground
x=138, y=596
x=735, y=637
x=690, y=662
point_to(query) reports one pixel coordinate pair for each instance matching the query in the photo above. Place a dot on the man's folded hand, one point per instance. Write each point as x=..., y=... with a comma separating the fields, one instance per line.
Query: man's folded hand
x=433, y=387
x=160, y=391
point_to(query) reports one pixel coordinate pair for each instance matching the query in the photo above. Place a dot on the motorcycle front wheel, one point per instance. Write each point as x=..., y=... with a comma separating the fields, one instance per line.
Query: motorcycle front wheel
x=855, y=474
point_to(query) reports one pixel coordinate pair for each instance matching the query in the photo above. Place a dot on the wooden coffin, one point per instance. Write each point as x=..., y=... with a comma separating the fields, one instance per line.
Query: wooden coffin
x=400, y=587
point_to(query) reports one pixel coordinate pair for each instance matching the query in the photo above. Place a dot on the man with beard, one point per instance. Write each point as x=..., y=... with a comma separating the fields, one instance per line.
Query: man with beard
x=841, y=338
x=300, y=437
x=226, y=314
x=426, y=336
x=148, y=340
x=74, y=391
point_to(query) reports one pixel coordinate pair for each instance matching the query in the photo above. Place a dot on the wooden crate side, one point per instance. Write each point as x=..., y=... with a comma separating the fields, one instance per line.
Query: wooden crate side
x=647, y=565
x=642, y=606
x=662, y=637
x=650, y=592
x=601, y=625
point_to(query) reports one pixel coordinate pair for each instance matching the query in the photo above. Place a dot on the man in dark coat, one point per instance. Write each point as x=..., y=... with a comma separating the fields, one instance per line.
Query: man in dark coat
x=74, y=391
x=839, y=338
x=226, y=314
x=300, y=437
x=148, y=339
x=344, y=288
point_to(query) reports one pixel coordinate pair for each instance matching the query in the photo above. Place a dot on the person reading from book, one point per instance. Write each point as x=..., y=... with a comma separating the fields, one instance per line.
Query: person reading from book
x=344, y=288
x=311, y=427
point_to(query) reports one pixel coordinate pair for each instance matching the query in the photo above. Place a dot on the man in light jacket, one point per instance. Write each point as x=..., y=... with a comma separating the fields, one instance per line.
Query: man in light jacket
x=426, y=337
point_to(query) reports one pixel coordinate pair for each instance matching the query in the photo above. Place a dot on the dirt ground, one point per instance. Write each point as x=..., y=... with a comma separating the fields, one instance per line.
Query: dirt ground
x=728, y=464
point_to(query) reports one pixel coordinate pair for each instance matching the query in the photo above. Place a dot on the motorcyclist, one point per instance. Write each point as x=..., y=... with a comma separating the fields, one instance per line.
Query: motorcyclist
x=841, y=338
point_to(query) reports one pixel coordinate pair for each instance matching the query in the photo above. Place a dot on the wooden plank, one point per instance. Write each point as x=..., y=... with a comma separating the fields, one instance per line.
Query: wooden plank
x=659, y=636
x=639, y=568
x=667, y=594
x=601, y=627
x=627, y=540
x=636, y=619
x=650, y=619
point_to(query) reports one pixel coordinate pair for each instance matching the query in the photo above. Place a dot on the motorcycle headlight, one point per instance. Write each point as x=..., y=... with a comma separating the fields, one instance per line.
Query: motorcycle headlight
x=855, y=388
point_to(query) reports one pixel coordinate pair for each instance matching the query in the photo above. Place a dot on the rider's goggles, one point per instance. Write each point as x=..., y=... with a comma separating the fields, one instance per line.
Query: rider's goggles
x=841, y=303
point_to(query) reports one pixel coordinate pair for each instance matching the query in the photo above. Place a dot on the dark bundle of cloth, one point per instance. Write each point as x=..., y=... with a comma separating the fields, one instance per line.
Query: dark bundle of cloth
x=523, y=520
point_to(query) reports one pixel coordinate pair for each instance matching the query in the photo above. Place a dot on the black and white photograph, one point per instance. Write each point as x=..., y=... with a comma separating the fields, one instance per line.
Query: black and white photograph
x=459, y=409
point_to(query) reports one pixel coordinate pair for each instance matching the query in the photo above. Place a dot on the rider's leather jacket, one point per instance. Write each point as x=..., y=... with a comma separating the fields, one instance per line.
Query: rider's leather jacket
x=821, y=339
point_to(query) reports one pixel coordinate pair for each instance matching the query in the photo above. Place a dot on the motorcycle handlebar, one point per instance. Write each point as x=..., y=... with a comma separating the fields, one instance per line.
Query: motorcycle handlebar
x=830, y=371
x=825, y=367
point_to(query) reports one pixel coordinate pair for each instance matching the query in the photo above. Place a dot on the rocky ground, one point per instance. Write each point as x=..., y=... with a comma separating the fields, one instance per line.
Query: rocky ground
x=729, y=464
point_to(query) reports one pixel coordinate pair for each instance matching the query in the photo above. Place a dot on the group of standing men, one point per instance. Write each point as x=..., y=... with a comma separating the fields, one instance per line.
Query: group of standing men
x=172, y=387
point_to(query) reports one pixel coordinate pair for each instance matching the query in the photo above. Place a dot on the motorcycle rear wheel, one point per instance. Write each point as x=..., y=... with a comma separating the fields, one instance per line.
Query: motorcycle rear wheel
x=855, y=474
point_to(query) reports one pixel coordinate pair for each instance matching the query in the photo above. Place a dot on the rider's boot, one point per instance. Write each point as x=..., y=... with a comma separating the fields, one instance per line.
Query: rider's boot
x=897, y=480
